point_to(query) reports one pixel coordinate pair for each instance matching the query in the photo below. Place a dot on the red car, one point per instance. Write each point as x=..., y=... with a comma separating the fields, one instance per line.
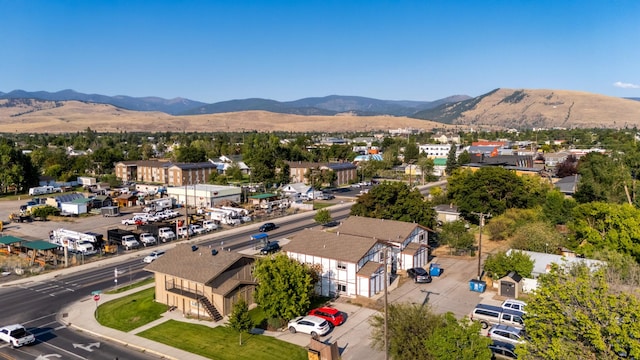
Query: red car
x=332, y=315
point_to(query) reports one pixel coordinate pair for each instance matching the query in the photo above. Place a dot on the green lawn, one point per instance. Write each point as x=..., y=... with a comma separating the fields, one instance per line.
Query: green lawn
x=131, y=286
x=221, y=343
x=130, y=312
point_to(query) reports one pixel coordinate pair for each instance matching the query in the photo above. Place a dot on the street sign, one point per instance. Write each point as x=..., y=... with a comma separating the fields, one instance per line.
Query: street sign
x=96, y=297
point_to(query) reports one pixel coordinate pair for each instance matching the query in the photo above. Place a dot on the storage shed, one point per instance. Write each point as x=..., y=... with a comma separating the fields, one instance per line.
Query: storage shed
x=510, y=285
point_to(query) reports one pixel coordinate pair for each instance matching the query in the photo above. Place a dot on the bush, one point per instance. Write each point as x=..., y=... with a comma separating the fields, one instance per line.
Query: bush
x=275, y=324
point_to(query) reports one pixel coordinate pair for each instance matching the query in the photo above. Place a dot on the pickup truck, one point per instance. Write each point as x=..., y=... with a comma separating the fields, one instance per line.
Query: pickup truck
x=209, y=225
x=16, y=335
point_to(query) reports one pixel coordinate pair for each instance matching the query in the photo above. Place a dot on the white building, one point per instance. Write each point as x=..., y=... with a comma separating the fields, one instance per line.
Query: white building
x=350, y=259
x=435, y=150
x=204, y=195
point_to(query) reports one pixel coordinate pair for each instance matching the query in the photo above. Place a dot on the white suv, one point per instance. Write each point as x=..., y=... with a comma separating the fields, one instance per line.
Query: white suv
x=310, y=324
x=507, y=334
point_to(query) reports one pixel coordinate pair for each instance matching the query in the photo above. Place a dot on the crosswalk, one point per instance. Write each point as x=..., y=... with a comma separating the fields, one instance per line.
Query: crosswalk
x=51, y=287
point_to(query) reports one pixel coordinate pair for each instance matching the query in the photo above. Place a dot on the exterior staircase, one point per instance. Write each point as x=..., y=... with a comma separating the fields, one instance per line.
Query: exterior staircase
x=211, y=310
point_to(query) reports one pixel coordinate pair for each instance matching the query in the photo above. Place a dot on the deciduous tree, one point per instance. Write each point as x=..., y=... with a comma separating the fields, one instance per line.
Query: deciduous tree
x=575, y=314
x=500, y=264
x=285, y=286
x=239, y=319
x=323, y=216
x=456, y=235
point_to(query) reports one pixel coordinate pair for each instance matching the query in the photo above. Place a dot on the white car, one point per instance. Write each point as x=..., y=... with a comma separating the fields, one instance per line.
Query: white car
x=16, y=335
x=147, y=239
x=153, y=256
x=310, y=324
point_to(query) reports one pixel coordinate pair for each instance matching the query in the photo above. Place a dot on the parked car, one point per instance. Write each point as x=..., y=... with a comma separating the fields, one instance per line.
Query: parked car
x=503, y=351
x=16, y=335
x=153, y=256
x=419, y=275
x=508, y=334
x=513, y=304
x=183, y=232
x=271, y=247
x=147, y=239
x=313, y=325
x=267, y=227
x=332, y=315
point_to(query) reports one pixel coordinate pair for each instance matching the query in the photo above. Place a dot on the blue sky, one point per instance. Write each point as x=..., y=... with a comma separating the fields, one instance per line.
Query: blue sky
x=214, y=51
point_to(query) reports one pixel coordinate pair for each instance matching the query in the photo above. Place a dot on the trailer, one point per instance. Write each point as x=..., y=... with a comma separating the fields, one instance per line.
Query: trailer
x=109, y=211
x=41, y=190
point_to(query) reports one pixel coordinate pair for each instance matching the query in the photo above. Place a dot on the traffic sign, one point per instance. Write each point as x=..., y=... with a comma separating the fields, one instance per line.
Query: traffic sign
x=96, y=297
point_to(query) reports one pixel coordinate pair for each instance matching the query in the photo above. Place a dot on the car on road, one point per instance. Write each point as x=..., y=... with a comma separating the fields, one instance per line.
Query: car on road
x=271, y=247
x=16, y=335
x=147, y=239
x=153, y=256
x=312, y=325
x=507, y=334
x=267, y=227
x=334, y=316
x=419, y=275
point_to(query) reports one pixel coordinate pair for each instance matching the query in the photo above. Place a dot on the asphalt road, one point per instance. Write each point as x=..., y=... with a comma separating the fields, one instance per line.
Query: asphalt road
x=36, y=304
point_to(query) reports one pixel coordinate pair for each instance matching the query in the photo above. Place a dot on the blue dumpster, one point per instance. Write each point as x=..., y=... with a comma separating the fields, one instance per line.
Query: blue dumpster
x=477, y=285
x=435, y=270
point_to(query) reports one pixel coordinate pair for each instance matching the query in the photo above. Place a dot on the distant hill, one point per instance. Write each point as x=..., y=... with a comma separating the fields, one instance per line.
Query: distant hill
x=522, y=108
x=328, y=105
x=172, y=106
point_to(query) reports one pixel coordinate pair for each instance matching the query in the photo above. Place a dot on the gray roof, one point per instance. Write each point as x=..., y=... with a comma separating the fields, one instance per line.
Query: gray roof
x=337, y=246
x=448, y=208
x=381, y=229
x=198, y=266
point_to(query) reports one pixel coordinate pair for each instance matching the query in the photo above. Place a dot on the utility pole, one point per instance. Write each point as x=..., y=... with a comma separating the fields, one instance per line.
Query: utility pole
x=386, y=307
x=481, y=216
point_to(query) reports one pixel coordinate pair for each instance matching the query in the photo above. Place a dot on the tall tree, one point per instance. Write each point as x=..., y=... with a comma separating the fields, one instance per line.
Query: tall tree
x=452, y=161
x=285, y=286
x=500, y=264
x=411, y=151
x=395, y=201
x=488, y=190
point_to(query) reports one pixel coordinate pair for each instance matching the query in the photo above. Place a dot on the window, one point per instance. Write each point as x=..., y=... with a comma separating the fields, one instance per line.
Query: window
x=342, y=266
x=342, y=288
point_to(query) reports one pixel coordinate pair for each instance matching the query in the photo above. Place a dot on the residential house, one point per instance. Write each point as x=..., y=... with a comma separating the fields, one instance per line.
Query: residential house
x=439, y=166
x=295, y=190
x=447, y=213
x=542, y=264
x=348, y=265
x=568, y=184
x=408, y=241
x=225, y=162
x=201, y=281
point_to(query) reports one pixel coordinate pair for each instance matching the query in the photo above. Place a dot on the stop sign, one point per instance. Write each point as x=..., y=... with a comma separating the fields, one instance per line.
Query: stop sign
x=96, y=297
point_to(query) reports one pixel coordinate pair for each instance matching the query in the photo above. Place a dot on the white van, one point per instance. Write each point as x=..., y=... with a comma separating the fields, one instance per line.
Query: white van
x=495, y=315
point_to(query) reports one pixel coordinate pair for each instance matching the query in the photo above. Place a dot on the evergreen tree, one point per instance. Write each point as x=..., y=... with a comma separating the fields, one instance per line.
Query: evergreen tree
x=452, y=161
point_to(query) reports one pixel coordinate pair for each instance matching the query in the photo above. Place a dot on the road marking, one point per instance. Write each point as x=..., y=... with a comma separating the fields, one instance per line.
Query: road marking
x=87, y=347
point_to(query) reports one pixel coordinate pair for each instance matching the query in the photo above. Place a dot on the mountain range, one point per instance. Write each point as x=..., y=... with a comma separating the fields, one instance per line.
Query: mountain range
x=328, y=105
x=500, y=108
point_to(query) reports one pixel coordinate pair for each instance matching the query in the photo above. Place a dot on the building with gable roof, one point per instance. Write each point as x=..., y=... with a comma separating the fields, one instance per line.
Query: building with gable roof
x=200, y=283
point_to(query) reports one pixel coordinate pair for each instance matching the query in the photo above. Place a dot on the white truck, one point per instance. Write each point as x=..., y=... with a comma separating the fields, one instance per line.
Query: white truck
x=16, y=335
x=130, y=242
x=75, y=241
x=147, y=239
x=166, y=234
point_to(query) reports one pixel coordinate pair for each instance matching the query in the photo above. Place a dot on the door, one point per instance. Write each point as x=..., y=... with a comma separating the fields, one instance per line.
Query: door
x=507, y=289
